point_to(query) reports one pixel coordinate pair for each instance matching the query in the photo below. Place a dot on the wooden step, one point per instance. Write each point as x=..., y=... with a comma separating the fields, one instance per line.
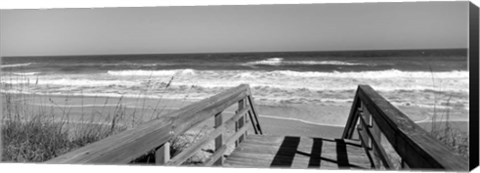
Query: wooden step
x=260, y=151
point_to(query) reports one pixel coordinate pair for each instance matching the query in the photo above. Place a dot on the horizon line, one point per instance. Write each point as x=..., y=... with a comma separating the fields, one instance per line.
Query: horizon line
x=246, y=52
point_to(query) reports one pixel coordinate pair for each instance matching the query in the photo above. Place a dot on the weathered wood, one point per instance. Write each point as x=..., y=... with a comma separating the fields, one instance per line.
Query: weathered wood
x=121, y=148
x=194, y=114
x=367, y=150
x=254, y=121
x=352, y=119
x=219, y=139
x=376, y=149
x=234, y=137
x=129, y=145
x=376, y=140
x=296, y=152
x=240, y=122
x=162, y=154
x=380, y=152
x=219, y=153
x=365, y=129
x=190, y=151
x=416, y=146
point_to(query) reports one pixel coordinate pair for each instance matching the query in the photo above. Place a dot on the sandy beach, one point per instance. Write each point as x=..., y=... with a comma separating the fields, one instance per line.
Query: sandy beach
x=325, y=120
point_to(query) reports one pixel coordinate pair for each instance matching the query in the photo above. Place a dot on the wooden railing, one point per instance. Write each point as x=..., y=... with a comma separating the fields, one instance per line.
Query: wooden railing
x=155, y=135
x=375, y=118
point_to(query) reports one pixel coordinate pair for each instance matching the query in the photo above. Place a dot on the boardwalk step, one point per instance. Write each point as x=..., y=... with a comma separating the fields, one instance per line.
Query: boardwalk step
x=298, y=152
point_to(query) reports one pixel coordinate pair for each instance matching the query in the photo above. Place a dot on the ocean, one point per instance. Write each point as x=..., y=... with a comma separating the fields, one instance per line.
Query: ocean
x=404, y=77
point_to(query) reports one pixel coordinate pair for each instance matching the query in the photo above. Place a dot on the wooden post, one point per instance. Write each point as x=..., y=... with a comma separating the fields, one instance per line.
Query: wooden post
x=241, y=121
x=162, y=154
x=376, y=133
x=366, y=116
x=219, y=139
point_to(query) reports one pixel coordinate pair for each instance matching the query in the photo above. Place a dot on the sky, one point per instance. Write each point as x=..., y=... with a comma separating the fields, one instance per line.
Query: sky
x=247, y=28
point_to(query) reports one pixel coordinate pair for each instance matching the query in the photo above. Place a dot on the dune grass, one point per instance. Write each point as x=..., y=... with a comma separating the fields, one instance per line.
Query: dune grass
x=454, y=138
x=441, y=129
x=40, y=133
x=37, y=135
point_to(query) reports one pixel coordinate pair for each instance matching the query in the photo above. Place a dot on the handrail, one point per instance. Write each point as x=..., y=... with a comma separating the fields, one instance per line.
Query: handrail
x=374, y=116
x=133, y=143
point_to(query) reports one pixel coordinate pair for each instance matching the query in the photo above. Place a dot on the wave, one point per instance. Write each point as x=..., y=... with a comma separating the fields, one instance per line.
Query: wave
x=270, y=86
x=27, y=73
x=332, y=87
x=280, y=61
x=16, y=65
x=71, y=82
x=270, y=61
x=151, y=72
x=392, y=73
x=388, y=80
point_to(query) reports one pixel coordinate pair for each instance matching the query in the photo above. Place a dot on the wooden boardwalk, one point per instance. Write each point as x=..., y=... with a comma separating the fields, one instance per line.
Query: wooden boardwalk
x=263, y=151
x=376, y=136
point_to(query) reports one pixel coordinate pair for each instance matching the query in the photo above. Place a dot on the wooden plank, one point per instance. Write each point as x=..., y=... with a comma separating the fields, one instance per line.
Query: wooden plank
x=190, y=151
x=367, y=141
x=162, y=154
x=121, y=148
x=194, y=114
x=376, y=146
x=257, y=163
x=240, y=123
x=254, y=112
x=254, y=127
x=273, y=151
x=219, y=139
x=236, y=135
x=273, y=142
x=304, y=144
x=367, y=150
x=130, y=144
x=298, y=157
x=265, y=164
x=414, y=144
x=219, y=153
x=380, y=152
x=298, y=161
x=352, y=118
x=277, y=139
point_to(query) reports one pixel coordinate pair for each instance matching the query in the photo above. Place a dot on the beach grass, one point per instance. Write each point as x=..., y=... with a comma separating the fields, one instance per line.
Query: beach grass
x=440, y=125
x=47, y=130
x=37, y=135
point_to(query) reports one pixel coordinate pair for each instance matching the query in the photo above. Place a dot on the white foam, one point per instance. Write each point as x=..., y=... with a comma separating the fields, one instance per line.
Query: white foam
x=393, y=73
x=269, y=61
x=27, y=74
x=15, y=65
x=151, y=72
x=72, y=82
x=322, y=63
x=280, y=61
x=389, y=80
x=295, y=86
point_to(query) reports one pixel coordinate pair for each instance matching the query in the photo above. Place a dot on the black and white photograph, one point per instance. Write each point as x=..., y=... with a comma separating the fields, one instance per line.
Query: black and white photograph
x=357, y=86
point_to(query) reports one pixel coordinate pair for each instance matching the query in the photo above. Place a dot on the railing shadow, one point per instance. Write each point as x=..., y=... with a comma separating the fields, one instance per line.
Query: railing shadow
x=290, y=147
